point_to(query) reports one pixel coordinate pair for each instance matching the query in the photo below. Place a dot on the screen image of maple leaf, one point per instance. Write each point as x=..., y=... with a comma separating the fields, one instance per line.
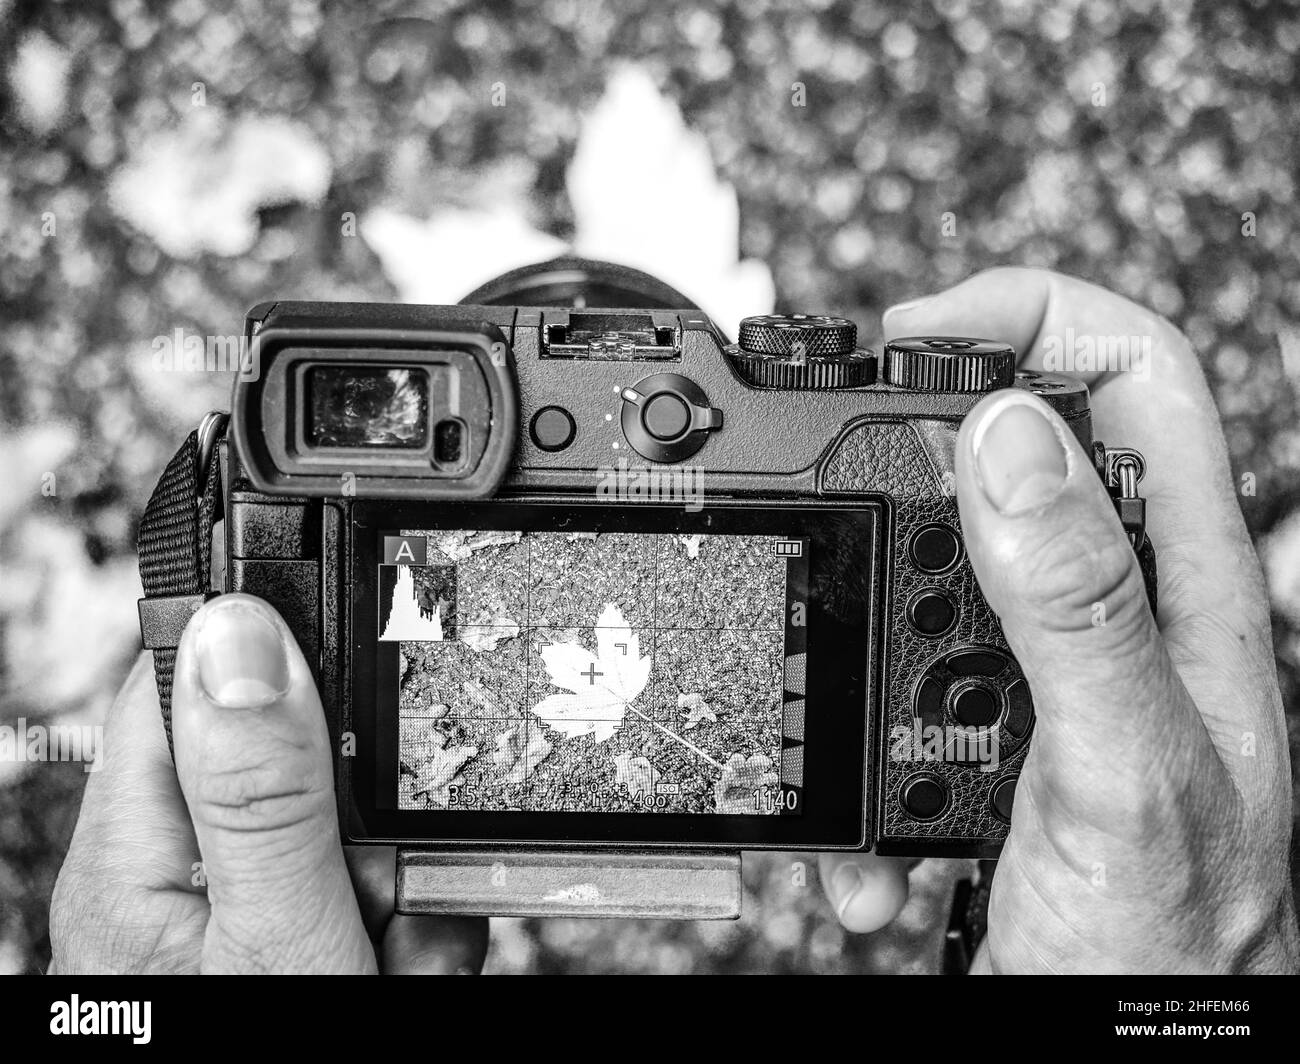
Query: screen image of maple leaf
x=713, y=632
x=593, y=688
x=579, y=691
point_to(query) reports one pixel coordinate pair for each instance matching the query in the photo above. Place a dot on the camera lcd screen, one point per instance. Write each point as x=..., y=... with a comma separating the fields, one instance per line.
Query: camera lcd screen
x=597, y=672
x=565, y=671
x=353, y=406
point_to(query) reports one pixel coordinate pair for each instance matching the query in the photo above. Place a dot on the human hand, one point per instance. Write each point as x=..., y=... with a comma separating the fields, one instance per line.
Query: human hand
x=1151, y=823
x=247, y=809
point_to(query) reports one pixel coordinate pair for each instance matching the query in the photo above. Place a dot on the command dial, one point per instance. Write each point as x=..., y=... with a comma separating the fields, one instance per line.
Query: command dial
x=801, y=351
x=667, y=417
x=949, y=364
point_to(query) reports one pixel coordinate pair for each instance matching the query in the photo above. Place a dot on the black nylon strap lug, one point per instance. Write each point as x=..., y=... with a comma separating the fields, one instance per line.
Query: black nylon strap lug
x=175, y=548
x=162, y=620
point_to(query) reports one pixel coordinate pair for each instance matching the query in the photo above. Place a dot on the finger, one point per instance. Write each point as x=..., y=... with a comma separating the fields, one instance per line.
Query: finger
x=1039, y=312
x=435, y=945
x=253, y=756
x=130, y=865
x=1055, y=566
x=1007, y=304
x=411, y=945
x=132, y=813
x=866, y=890
x=374, y=875
x=1032, y=310
x=1158, y=402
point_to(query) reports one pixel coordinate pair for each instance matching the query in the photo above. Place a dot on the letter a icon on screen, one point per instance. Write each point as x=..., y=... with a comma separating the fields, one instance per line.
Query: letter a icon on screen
x=406, y=550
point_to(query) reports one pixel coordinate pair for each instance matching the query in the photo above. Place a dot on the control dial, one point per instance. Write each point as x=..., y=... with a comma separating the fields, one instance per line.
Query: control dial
x=667, y=417
x=801, y=351
x=949, y=364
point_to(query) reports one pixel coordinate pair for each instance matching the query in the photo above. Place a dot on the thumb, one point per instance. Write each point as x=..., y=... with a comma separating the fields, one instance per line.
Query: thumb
x=1055, y=565
x=253, y=759
x=868, y=891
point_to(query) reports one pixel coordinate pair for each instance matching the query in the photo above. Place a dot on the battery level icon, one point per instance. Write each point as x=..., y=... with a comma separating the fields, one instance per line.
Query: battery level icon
x=788, y=548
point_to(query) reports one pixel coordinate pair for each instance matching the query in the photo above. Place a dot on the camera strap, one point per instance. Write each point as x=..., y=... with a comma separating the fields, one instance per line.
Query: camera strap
x=175, y=547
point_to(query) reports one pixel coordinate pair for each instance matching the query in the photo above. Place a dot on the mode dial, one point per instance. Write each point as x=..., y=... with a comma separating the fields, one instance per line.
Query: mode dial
x=949, y=364
x=801, y=351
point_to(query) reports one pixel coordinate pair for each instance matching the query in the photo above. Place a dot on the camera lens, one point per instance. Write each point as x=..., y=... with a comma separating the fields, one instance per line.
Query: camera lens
x=353, y=406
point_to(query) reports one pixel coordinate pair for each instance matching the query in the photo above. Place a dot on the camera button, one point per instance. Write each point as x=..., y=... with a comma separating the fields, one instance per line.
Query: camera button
x=666, y=416
x=931, y=613
x=976, y=706
x=935, y=548
x=1020, y=709
x=1002, y=797
x=923, y=797
x=552, y=428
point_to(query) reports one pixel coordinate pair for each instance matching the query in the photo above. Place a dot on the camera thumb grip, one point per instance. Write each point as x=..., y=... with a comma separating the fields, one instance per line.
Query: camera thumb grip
x=1056, y=566
x=253, y=759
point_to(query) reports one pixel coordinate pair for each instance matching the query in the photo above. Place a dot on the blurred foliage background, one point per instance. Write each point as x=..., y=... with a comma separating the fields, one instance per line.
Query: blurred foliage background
x=165, y=166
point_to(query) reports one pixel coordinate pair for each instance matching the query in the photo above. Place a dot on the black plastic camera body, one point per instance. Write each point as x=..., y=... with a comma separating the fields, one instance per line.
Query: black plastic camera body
x=596, y=579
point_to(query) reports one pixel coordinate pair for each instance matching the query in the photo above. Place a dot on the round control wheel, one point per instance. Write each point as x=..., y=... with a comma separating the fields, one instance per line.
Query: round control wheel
x=923, y=797
x=949, y=364
x=934, y=548
x=931, y=612
x=807, y=352
x=1062, y=392
x=667, y=417
x=552, y=428
x=813, y=335
x=979, y=689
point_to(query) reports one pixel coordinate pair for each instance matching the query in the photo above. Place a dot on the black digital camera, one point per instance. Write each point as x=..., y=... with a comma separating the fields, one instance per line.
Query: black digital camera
x=599, y=579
